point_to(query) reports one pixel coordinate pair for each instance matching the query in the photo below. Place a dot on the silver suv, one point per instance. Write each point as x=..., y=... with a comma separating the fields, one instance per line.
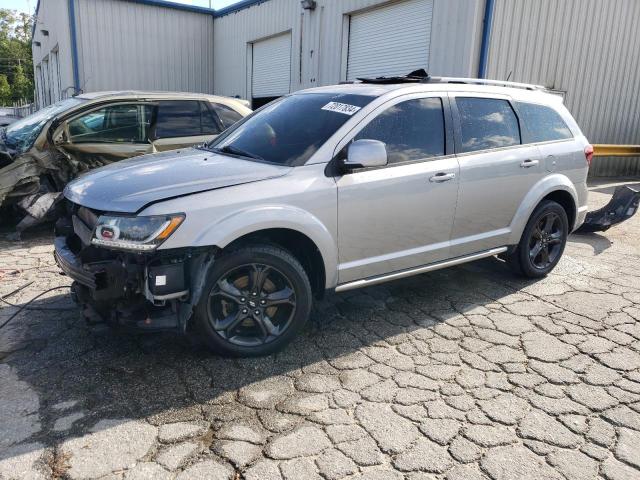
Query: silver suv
x=331, y=188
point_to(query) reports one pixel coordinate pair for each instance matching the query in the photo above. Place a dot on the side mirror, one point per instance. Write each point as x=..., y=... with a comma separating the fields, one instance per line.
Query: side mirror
x=366, y=153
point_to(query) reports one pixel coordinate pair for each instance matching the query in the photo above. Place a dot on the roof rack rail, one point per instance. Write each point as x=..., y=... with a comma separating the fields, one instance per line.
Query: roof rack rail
x=484, y=81
x=421, y=76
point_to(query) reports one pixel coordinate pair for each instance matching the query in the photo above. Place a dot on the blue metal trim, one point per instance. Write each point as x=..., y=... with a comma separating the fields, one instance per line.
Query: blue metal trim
x=74, y=45
x=486, y=36
x=237, y=7
x=175, y=6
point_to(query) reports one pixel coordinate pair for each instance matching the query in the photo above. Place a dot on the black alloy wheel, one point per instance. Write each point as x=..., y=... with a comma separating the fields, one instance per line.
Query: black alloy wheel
x=255, y=300
x=251, y=305
x=542, y=242
x=545, y=242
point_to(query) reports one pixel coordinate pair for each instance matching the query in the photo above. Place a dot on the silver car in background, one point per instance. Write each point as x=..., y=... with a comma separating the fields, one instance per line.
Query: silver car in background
x=332, y=188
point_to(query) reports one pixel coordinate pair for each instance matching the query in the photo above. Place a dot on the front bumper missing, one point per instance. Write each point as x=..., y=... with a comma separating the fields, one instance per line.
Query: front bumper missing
x=141, y=291
x=622, y=206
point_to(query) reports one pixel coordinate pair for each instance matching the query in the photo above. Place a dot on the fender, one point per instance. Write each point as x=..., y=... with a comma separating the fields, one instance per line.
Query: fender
x=544, y=187
x=250, y=220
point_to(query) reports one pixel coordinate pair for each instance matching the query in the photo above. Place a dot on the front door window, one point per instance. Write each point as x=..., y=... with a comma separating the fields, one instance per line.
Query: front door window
x=121, y=123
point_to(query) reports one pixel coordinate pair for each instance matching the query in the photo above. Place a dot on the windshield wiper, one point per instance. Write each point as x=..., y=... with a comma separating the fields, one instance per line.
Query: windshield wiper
x=237, y=151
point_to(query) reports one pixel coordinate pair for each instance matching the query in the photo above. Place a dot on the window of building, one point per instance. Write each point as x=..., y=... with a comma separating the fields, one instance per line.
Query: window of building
x=487, y=123
x=411, y=130
x=542, y=124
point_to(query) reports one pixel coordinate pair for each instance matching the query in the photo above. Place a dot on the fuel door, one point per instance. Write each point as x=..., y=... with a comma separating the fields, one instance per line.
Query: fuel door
x=550, y=163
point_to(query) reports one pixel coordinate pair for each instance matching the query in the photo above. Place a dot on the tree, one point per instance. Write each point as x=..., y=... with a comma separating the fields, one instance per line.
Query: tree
x=16, y=62
x=5, y=90
x=22, y=87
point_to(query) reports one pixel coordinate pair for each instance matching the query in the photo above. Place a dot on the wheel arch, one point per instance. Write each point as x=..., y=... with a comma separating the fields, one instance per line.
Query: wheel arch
x=555, y=187
x=298, y=244
x=566, y=201
x=292, y=228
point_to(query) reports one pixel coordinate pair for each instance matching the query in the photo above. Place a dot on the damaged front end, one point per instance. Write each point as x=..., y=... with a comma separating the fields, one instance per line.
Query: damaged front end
x=146, y=290
x=31, y=184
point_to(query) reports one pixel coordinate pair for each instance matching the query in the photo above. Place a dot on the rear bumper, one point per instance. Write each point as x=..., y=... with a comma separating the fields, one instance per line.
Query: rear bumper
x=580, y=216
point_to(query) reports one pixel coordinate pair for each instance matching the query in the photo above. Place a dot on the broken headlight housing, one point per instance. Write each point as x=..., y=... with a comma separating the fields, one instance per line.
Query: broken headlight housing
x=141, y=233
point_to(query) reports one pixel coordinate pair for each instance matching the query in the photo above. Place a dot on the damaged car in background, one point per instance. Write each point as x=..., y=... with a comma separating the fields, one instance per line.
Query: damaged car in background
x=42, y=152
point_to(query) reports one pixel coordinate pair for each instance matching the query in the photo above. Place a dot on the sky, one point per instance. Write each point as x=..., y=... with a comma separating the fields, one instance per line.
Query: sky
x=30, y=5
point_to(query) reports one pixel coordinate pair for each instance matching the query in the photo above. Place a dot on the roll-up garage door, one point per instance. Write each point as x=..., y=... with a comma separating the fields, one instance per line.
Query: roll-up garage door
x=392, y=40
x=271, y=74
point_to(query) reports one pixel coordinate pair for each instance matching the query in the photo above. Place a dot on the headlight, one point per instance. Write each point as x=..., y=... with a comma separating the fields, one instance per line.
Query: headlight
x=135, y=233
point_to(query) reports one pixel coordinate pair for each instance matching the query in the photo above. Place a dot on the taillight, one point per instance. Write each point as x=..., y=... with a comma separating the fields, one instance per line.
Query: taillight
x=588, y=154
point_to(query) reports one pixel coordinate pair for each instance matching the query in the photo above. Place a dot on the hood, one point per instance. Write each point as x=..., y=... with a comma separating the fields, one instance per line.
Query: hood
x=130, y=185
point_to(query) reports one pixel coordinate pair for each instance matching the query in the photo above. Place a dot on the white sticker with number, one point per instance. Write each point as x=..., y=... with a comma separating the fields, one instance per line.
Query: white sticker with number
x=341, y=108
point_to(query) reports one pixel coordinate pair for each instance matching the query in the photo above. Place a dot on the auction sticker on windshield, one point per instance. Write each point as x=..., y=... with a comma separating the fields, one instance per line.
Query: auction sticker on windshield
x=341, y=108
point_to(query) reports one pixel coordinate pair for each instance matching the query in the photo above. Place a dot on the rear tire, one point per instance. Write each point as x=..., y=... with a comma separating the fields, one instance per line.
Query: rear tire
x=255, y=301
x=543, y=241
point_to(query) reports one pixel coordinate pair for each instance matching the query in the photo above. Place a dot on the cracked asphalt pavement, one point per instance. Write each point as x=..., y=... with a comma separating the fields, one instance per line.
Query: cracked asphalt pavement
x=465, y=373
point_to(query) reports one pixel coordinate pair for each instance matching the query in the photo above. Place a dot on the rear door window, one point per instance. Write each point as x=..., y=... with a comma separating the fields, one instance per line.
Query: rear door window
x=487, y=123
x=411, y=130
x=182, y=118
x=227, y=115
x=541, y=124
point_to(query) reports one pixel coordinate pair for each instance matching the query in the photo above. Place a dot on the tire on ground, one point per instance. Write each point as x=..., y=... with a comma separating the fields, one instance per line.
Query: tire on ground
x=519, y=260
x=269, y=255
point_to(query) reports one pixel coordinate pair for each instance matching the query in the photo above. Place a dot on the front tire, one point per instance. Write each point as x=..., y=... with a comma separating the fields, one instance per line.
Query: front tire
x=255, y=301
x=543, y=241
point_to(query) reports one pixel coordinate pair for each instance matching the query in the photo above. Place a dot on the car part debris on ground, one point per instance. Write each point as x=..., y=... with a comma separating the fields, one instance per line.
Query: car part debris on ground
x=622, y=206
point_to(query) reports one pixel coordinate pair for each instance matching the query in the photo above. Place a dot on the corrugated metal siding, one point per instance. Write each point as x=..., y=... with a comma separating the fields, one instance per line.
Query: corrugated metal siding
x=319, y=46
x=392, y=40
x=53, y=16
x=233, y=34
x=126, y=45
x=589, y=49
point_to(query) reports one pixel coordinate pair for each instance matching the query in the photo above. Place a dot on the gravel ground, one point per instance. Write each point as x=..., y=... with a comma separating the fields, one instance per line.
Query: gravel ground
x=466, y=373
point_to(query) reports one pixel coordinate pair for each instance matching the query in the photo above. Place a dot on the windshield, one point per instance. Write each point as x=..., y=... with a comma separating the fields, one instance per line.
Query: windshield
x=20, y=135
x=291, y=129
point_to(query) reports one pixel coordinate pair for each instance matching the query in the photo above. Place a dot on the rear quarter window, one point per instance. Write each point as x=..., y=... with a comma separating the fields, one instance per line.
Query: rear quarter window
x=227, y=115
x=541, y=123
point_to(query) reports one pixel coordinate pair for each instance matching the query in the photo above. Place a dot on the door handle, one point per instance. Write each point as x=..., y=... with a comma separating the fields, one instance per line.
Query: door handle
x=529, y=163
x=442, y=177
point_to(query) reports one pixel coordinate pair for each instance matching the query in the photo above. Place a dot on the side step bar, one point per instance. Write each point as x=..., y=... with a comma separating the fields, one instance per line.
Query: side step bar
x=367, y=282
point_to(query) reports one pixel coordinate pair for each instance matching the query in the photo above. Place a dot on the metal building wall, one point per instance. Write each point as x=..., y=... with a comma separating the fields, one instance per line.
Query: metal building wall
x=129, y=45
x=232, y=33
x=52, y=16
x=589, y=49
x=319, y=45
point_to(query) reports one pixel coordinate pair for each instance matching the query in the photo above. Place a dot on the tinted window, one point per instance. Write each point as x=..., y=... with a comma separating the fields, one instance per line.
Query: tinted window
x=227, y=115
x=123, y=123
x=178, y=119
x=412, y=130
x=209, y=121
x=487, y=123
x=541, y=124
x=291, y=129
